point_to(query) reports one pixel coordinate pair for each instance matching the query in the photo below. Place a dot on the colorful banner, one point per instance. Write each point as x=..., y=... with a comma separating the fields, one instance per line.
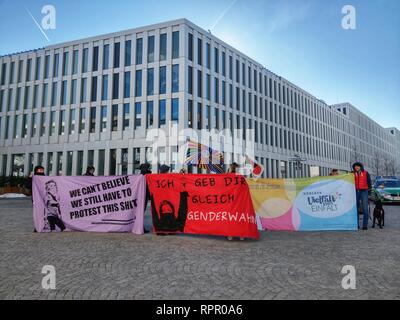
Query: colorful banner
x=97, y=204
x=319, y=203
x=213, y=204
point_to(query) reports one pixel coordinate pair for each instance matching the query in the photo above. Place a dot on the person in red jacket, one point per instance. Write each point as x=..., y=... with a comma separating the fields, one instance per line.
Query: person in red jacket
x=363, y=184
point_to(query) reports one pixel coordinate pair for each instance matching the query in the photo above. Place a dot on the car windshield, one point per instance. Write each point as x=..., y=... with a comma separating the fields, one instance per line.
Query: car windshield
x=388, y=184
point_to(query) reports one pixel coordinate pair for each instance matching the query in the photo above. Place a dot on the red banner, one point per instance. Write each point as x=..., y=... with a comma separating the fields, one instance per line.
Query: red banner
x=213, y=204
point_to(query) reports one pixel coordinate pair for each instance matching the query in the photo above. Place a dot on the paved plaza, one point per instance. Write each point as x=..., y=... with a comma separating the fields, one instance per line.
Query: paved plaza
x=282, y=265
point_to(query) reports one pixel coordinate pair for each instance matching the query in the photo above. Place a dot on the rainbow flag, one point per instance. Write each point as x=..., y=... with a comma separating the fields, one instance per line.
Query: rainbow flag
x=204, y=157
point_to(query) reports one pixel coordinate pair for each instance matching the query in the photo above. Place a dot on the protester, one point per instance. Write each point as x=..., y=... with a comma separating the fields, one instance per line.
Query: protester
x=145, y=169
x=164, y=168
x=334, y=172
x=233, y=167
x=38, y=171
x=89, y=171
x=363, y=184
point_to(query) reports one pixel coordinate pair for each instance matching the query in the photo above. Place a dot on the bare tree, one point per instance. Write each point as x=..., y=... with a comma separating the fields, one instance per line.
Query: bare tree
x=376, y=163
x=388, y=165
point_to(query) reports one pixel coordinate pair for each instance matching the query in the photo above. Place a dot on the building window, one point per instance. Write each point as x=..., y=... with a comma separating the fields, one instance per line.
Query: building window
x=190, y=113
x=83, y=90
x=26, y=98
x=53, y=94
x=175, y=78
x=65, y=64
x=114, y=117
x=103, y=118
x=175, y=44
x=64, y=92
x=95, y=60
x=150, y=114
x=175, y=110
x=208, y=55
x=52, y=123
x=46, y=67
x=116, y=54
x=138, y=115
x=35, y=96
x=163, y=47
x=72, y=121
x=127, y=84
x=150, y=81
x=7, y=130
x=208, y=86
x=115, y=92
x=162, y=112
x=43, y=124
x=199, y=84
x=124, y=161
x=82, y=120
x=17, y=128
x=128, y=52
x=24, y=126
x=79, y=163
x=33, y=125
x=37, y=70
x=216, y=90
x=74, y=84
x=106, y=56
x=190, y=48
x=199, y=116
x=104, y=88
x=59, y=163
x=92, y=119
x=45, y=94
x=223, y=64
x=136, y=160
x=190, y=80
x=49, y=162
x=61, y=123
x=150, y=49
x=125, y=121
x=223, y=93
x=163, y=80
x=138, y=83
x=216, y=60
x=102, y=157
x=85, y=59
x=208, y=117
x=139, y=51
x=199, y=52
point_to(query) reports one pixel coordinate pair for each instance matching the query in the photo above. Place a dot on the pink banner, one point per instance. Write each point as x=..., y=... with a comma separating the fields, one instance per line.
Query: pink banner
x=95, y=204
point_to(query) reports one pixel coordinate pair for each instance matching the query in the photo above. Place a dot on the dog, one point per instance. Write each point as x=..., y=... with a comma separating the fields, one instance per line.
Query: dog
x=379, y=214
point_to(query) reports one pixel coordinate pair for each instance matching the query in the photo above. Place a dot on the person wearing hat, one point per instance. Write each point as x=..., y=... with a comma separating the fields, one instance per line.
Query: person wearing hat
x=363, y=183
x=164, y=168
x=89, y=171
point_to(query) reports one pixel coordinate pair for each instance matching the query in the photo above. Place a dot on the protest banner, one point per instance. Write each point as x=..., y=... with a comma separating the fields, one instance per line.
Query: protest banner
x=319, y=203
x=212, y=204
x=97, y=204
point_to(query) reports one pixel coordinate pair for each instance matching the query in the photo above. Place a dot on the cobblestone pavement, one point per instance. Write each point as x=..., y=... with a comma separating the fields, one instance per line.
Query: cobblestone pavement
x=282, y=265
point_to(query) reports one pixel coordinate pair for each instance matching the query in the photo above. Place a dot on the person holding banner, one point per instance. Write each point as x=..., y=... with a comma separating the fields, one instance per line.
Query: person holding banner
x=363, y=184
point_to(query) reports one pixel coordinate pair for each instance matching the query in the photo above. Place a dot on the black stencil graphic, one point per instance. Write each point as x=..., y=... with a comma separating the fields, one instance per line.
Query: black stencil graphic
x=165, y=219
